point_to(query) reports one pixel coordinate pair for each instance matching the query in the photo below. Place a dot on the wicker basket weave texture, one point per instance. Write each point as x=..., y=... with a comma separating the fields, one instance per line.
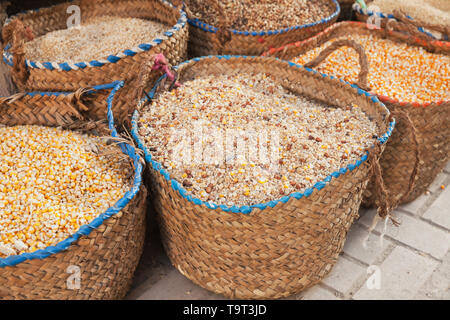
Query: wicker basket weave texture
x=42, y=76
x=107, y=251
x=277, y=249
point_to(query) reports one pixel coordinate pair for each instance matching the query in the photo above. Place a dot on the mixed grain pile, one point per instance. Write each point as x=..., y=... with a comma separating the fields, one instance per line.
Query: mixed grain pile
x=255, y=15
x=303, y=141
x=53, y=182
x=430, y=11
x=397, y=70
x=96, y=38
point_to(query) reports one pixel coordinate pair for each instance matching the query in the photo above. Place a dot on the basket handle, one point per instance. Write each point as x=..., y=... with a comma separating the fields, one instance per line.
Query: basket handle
x=17, y=34
x=386, y=203
x=401, y=16
x=363, y=61
x=402, y=114
x=408, y=30
x=157, y=62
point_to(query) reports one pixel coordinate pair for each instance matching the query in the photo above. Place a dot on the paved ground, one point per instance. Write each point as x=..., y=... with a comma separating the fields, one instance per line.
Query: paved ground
x=412, y=262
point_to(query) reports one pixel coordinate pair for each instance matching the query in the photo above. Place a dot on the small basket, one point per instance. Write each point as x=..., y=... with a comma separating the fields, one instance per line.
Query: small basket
x=108, y=249
x=42, y=76
x=274, y=249
x=420, y=146
x=205, y=39
x=437, y=32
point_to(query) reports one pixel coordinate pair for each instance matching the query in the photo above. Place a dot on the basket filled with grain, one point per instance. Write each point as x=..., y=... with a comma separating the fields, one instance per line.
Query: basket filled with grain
x=411, y=76
x=251, y=27
x=430, y=17
x=72, y=204
x=256, y=169
x=110, y=44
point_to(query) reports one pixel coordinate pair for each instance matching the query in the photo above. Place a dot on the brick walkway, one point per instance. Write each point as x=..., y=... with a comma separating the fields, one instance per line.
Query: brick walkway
x=412, y=263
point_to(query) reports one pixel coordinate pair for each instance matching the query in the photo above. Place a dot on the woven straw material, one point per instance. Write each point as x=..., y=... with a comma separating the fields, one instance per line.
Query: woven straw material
x=276, y=251
x=203, y=42
x=430, y=123
x=45, y=20
x=107, y=257
x=432, y=31
x=432, y=126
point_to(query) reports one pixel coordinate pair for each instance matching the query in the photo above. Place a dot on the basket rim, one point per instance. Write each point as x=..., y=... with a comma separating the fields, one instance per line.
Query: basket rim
x=175, y=185
x=86, y=229
x=384, y=99
x=357, y=7
x=68, y=66
x=209, y=28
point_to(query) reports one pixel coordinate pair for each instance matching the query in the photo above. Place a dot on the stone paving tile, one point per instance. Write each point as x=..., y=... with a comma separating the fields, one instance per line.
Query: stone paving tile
x=447, y=168
x=414, y=233
x=403, y=273
x=317, y=293
x=354, y=245
x=415, y=206
x=407, y=270
x=438, y=285
x=175, y=286
x=439, y=211
x=343, y=275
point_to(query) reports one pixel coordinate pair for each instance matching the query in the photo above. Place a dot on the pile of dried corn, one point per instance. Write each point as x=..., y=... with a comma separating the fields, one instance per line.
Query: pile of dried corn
x=54, y=182
x=397, y=70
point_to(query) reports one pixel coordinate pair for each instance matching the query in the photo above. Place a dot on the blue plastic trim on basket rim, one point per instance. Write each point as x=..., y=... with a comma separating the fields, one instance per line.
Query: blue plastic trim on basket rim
x=209, y=28
x=248, y=209
x=85, y=230
x=368, y=12
x=68, y=66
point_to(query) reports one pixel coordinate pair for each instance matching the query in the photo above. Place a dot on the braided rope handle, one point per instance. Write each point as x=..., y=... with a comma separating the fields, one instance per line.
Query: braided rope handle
x=386, y=203
x=401, y=16
x=409, y=30
x=402, y=114
x=157, y=62
x=16, y=34
x=363, y=61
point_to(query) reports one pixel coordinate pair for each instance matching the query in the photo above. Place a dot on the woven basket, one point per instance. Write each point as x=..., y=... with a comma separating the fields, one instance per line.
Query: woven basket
x=428, y=30
x=274, y=249
x=420, y=146
x=34, y=75
x=107, y=250
x=205, y=40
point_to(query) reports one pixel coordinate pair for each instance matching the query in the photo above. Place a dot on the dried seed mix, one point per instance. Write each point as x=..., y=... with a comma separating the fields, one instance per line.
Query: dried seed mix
x=253, y=15
x=397, y=70
x=53, y=182
x=436, y=12
x=287, y=142
x=96, y=38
